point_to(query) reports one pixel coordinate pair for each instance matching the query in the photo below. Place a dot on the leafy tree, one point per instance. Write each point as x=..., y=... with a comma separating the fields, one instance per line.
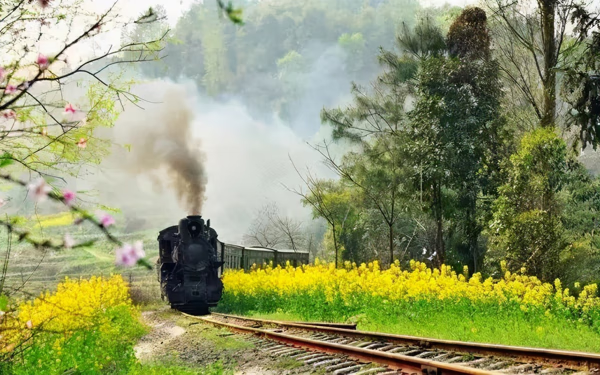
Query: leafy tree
x=334, y=203
x=456, y=127
x=580, y=197
x=527, y=221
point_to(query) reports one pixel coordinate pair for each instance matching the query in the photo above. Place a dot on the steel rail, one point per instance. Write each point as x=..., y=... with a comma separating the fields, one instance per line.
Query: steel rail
x=585, y=360
x=394, y=361
x=320, y=324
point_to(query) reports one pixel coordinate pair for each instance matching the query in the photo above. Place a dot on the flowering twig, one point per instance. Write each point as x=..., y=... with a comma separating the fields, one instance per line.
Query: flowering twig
x=66, y=199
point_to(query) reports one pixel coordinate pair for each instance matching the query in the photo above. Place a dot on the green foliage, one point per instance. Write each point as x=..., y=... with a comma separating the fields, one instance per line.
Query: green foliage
x=457, y=134
x=580, y=198
x=337, y=203
x=226, y=59
x=527, y=214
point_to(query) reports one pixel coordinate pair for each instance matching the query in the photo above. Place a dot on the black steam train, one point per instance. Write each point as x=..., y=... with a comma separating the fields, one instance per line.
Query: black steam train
x=192, y=259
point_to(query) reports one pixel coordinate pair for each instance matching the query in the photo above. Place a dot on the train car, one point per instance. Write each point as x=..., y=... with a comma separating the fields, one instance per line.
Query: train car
x=191, y=262
x=240, y=257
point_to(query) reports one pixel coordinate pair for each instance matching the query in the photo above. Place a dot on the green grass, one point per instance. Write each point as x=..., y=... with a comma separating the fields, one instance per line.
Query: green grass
x=286, y=364
x=175, y=369
x=456, y=321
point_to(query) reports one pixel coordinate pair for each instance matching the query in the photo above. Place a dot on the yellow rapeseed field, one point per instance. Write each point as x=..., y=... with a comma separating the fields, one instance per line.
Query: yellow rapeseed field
x=76, y=304
x=351, y=284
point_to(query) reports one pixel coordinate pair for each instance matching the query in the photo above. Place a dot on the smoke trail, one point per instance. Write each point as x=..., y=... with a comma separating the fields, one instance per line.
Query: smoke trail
x=163, y=147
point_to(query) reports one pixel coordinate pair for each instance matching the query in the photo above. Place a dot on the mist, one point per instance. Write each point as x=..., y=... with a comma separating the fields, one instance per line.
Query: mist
x=189, y=151
x=225, y=156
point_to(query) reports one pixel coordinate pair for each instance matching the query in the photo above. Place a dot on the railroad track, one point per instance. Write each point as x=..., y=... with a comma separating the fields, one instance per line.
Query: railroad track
x=341, y=349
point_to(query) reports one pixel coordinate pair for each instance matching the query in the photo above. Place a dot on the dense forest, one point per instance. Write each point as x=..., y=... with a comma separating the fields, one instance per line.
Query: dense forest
x=464, y=127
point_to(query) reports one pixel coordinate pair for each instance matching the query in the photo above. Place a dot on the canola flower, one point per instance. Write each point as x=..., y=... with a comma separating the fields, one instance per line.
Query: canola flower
x=76, y=305
x=353, y=286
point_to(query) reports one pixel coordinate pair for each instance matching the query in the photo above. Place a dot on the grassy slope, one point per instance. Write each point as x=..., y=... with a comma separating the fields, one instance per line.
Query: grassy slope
x=43, y=271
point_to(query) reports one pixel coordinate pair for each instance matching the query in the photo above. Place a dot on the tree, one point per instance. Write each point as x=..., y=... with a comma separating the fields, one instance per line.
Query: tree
x=270, y=229
x=534, y=44
x=456, y=130
x=330, y=201
x=527, y=219
x=378, y=173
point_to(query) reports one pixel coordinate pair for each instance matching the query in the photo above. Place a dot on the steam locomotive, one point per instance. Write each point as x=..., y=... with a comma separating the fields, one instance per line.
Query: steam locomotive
x=188, y=265
x=192, y=259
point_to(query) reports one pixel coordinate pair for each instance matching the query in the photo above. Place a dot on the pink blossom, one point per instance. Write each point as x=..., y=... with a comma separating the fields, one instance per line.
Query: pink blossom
x=39, y=190
x=69, y=108
x=43, y=62
x=9, y=114
x=129, y=255
x=69, y=197
x=82, y=143
x=2, y=202
x=105, y=219
x=68, y=241
x=10, y=89
x=29, y=324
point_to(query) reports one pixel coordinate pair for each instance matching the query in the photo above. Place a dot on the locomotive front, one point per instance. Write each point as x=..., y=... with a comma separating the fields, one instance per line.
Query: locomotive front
x=189, y=265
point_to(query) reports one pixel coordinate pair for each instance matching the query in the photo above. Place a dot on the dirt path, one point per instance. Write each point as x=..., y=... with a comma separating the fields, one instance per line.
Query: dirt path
x=177, y=339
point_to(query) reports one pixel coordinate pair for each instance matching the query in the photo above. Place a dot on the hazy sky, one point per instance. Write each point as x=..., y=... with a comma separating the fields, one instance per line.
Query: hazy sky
x=176, y=7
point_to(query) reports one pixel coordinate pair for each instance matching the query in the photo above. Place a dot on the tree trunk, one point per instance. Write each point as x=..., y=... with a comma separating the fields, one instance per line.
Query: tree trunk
x=391, y=244
x=472, y=231
x=547, y=10
x=439, y=236
x=335, y=245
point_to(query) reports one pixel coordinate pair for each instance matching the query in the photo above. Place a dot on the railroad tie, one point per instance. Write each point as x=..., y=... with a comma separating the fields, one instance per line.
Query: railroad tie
x=375, y=345
x=479, y=361
x=411, y=352
x=441, y=357
x=291, y=353
x=285, y=350
x=309, y=356
x=425, y=354
x=399, y=349
x=519, y=368
x=387, y=347
x=317, y=359
x=498, y=365
x=271, y=345
x=340, y=366
x=364, y=343
x=455, y=359
x=328, y=362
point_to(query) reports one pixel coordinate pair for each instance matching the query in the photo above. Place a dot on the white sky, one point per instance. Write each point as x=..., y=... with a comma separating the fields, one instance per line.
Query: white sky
x=133, y=8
